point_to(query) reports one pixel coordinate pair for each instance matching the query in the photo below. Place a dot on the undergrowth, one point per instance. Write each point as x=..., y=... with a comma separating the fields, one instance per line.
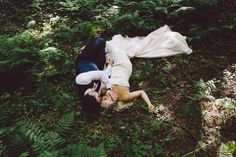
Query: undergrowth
x=41, y=115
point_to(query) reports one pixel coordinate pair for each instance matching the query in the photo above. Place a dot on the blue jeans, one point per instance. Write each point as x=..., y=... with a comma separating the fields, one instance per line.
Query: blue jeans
x=92, y=57
x=85, y=66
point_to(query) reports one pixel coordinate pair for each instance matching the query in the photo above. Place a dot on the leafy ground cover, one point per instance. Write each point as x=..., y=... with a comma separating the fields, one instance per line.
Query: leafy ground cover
x=41, y=115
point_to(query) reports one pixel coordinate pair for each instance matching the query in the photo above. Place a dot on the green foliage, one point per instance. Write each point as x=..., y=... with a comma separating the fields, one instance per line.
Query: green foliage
x=40, y=39
x=82, y=150
x=82, y=8
x=87, y=30
x=208, y=2
x=55, y=97
x=40, y=141
x=205, y=90
x=232, y=146
x=24, y=154
x=112, y=142
x=17, y=139
x=228, y=149
x=228, y=105
x=190, y=110
x=66, y=123
x=18, y=52
x=167, y=67
x=7, y=112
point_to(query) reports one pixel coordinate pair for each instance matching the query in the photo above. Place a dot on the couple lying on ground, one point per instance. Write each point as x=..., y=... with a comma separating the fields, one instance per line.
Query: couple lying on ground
x=99, y=88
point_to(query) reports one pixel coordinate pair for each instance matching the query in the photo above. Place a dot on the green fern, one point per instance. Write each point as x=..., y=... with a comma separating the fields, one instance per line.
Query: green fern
x=5, y=131
x=24, y=154
x=49, y=142
x=205, y=90
x=40, y=141
x=3, y=148
x=82, y=150
x=18, y=50
x=50, y=154
x=66, y=123
x=228, y=149
x=30, y=130
x=7, y=114
x=11, y=141
x=208, y=2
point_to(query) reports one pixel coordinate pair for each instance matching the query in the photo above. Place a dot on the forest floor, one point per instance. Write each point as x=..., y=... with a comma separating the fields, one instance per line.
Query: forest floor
x=186, y=125
x=171, y=86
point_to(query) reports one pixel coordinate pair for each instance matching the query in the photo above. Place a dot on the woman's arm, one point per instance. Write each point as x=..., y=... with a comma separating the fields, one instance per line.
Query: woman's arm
x=140, y=93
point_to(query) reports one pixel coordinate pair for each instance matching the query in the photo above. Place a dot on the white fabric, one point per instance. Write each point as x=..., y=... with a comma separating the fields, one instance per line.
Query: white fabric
x=87, y=77
x=159, y=43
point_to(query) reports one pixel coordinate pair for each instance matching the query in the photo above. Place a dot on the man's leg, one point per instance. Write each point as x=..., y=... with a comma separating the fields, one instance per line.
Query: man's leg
x=85, y=66
x=94, y=52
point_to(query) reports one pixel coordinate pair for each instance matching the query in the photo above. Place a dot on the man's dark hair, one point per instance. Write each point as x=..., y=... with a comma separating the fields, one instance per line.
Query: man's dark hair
x=91, y=106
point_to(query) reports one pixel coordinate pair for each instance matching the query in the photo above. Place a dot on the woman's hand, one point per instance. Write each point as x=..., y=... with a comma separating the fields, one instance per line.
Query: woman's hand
x=110, y=61
x=112, y=95
x=152, y=109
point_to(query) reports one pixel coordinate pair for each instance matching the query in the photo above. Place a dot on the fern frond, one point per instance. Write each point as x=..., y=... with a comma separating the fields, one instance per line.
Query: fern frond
x=49, y=154
x=6, y=114
x=225, y=151
x=49, y=141
x=5, y=131
x=40, y=141
x=66, y=123
x=30, y=130
x=18, y=50
x=16, y=143
x=101, y=150
x=3, y=148
x=24, y=154
x=82, y=150
x=206, y=90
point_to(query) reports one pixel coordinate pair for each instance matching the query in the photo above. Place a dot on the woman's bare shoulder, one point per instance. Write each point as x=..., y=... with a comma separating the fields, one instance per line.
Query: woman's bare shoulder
x=120, y=88
x=122, y=92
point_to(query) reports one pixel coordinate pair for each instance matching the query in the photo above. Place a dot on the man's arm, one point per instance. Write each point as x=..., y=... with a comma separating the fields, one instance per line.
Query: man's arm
x=88, y=77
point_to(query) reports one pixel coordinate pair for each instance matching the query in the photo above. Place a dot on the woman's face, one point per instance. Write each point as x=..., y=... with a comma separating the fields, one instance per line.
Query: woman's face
x=95, y=94
x=106, y=101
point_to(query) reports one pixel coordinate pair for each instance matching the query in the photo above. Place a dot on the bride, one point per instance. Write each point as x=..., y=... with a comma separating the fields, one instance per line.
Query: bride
x=159, y=43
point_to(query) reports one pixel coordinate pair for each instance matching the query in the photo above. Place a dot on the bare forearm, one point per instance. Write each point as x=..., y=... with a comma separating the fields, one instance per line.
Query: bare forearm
x=144, y=96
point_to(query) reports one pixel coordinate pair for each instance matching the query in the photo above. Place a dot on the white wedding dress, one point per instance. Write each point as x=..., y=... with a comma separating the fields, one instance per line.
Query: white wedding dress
x=159, y=43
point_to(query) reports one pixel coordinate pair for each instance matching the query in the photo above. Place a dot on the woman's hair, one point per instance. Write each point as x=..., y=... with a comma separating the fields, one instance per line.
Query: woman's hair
x=90, y=105
x=112, y=106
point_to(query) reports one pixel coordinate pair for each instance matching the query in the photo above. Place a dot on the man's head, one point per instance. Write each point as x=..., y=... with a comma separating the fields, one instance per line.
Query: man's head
x=91, y=104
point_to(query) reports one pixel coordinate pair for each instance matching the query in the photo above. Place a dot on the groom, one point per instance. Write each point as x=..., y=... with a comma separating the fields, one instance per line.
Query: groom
x=89, y=76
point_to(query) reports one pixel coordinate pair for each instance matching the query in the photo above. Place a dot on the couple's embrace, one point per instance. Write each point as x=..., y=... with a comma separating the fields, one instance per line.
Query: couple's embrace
x=109, y=88
x=93, y=73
